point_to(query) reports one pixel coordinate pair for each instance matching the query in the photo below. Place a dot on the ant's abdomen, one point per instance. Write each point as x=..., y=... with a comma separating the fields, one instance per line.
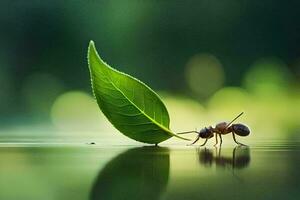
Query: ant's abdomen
x=240, y=129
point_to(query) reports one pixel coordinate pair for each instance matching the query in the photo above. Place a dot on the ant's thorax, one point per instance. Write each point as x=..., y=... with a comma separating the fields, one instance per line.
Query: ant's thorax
x=221, y=128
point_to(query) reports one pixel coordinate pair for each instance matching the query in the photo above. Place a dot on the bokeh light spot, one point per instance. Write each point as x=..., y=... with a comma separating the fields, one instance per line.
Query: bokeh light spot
x=267, y=76
x=76, y=110
x=227, y=102
x=204, y=74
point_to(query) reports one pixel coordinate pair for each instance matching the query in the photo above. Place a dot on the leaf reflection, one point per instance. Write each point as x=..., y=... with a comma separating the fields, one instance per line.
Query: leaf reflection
x=139, y=173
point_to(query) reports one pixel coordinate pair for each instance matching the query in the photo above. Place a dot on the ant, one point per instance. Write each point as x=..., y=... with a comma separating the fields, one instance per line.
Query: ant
x=222, y=128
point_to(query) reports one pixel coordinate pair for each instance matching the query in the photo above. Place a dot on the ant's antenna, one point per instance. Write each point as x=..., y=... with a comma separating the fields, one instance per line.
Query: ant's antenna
x=195, y=131
x=187, y=132
x=234, y=119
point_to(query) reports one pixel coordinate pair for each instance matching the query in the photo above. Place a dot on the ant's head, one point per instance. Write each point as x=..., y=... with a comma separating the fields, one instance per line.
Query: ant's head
x=206, y=132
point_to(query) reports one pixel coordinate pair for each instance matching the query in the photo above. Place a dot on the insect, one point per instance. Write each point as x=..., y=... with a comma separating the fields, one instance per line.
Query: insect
x=220, y=129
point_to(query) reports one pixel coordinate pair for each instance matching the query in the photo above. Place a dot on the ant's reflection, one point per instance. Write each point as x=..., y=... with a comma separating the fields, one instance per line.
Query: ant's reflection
x=139, y=173
x=240, y=158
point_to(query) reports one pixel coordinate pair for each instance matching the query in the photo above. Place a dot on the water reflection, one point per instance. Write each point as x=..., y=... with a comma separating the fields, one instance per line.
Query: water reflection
x=139, y=173
x=239, y=159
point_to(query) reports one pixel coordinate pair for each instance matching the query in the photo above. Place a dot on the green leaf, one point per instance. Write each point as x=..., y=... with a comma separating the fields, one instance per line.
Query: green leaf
x=130, y=105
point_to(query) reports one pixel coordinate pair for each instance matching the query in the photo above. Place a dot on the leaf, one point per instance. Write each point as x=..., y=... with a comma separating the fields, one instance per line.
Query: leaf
x=130, y=105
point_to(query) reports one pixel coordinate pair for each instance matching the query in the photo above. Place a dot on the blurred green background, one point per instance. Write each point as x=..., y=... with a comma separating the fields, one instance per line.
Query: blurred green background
x=209, y=60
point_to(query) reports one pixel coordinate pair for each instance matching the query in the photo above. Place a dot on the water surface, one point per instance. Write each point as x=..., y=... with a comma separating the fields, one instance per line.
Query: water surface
x=84, y=171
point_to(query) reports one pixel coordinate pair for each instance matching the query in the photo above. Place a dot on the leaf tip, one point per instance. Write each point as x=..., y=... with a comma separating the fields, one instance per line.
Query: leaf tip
x=91, y=46
x=92, y=52
x=92, y=43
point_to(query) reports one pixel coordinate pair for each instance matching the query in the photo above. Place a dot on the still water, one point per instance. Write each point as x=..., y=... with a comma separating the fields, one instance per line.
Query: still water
x=90, y=172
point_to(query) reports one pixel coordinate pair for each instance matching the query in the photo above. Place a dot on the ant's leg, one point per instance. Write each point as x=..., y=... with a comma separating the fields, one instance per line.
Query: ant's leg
x=198, y=137
x=204, y=143
x=233, y=135
x=221, y=139
x=216, y=139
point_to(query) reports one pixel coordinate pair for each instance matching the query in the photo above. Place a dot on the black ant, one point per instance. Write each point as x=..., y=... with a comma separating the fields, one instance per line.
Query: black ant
x=222, y=128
